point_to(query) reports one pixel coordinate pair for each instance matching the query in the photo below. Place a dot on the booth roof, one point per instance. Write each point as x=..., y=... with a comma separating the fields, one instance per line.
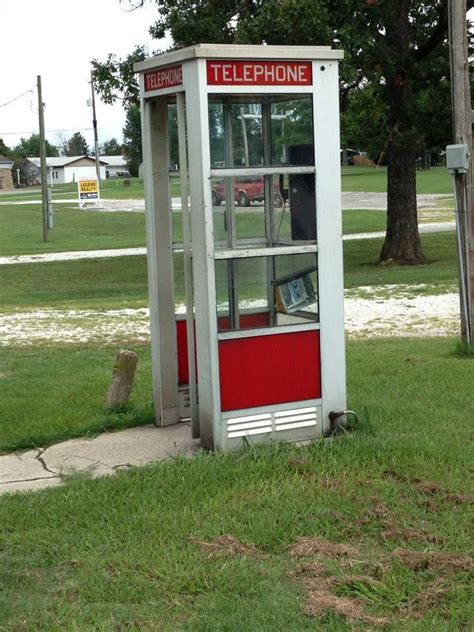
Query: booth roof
x=239, y=51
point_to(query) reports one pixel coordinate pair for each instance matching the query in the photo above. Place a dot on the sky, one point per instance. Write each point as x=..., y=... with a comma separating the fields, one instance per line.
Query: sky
x=57, y=39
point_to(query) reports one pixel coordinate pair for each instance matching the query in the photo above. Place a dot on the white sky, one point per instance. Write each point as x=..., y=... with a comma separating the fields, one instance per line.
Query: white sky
x=57, y=39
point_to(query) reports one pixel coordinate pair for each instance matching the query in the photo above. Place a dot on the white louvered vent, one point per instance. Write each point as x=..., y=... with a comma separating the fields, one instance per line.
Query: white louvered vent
x=249, y=425
x=184, y=403
x=296, y=418
x=272, y=422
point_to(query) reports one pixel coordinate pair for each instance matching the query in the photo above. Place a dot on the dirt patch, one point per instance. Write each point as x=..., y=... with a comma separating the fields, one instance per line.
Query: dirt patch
x=428, y=488
x=440, y=562
x=307, y=547
x=226, y=546
x=319, y=603
x=324, y=580
x=460, y=499
x=428, y=598
x=411, y=534
x=308, y=571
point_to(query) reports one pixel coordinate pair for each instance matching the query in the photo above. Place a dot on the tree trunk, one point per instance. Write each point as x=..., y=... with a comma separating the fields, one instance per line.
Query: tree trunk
x=402, y=240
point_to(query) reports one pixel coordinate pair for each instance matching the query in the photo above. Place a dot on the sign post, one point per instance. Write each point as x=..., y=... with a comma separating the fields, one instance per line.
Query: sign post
x=89, y=193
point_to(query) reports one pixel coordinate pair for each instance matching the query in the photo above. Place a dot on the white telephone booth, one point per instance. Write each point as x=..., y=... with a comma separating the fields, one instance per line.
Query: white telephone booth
x=244, y=240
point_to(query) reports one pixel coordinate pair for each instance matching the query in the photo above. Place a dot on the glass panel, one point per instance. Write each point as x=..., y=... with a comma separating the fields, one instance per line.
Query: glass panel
x=246, y=209
x=292, y=131
x=221, y=212
x=216, y=135
x=246, y=120
x=266, y=291
x=249, y=194
x=179, y=286
x=173, y=137
x=294, y=208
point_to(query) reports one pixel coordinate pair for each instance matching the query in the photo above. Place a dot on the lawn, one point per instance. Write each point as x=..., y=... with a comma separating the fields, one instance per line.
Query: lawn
x=141, y=550
x=51, y=393
x=122, y=281
x=435, y=180
x=21, y=230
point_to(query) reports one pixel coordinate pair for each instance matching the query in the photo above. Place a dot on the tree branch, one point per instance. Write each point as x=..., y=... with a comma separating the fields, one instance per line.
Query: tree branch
x=437, y=34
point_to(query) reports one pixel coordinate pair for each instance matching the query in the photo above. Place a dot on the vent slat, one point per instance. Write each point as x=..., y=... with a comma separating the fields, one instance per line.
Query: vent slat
x=294, y=426
x=296, y=411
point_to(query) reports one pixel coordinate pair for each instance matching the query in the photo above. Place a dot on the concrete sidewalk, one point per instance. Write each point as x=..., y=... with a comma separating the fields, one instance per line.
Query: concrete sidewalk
x=103, y=455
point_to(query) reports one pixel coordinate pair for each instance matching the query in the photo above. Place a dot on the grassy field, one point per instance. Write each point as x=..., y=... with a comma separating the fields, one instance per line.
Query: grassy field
x=52, y=393
x=435, y=180
x=21, y=228
x=39, y=405
x=145, y=550
x=122, y=281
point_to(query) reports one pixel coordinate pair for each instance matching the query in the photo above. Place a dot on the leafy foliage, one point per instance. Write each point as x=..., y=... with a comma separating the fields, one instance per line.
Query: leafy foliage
x=111, y=148
x=77, y=145
x=394, y=78
x=132, y=134
x=29, y=147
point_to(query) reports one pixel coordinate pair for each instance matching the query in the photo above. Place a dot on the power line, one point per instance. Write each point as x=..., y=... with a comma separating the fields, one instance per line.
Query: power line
x=48, y=131
x=16, y=98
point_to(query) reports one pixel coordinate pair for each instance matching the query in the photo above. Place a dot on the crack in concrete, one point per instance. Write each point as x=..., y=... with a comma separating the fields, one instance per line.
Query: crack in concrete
x=28, y=480
x=39, y=457
x=92, y=461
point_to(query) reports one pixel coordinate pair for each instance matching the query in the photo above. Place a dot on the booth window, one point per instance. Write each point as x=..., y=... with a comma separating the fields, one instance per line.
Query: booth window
x=266, y=291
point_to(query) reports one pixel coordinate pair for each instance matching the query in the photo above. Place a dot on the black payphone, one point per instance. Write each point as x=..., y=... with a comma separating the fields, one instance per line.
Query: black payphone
x=302, y=194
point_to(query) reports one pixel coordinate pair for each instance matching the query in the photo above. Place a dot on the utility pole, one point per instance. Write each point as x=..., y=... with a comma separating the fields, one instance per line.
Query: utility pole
x=463, y=182
x=43, y=170
x=94, y=124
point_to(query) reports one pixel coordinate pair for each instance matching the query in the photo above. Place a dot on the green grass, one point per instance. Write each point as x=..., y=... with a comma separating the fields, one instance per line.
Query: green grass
x=109, y=189
x=361, y=267
x=363, y=221
x=51, y=393
x=21, y=230
x=435, y=180
x=89, y=283
x=115, y=554
x=122, y=281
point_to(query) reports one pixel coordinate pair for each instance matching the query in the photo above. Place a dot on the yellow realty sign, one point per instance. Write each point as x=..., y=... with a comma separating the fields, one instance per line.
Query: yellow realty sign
x=88, y=191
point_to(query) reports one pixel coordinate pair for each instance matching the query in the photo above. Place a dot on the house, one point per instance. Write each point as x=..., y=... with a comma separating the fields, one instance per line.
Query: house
x=115, y=167
x=63, y=169
x=6, y=177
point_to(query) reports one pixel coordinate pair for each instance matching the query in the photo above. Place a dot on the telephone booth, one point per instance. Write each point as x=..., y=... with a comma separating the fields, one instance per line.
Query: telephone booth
x=242, y=182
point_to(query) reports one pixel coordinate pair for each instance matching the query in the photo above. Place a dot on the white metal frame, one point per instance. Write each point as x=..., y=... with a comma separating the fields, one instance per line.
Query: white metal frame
x=202, y=254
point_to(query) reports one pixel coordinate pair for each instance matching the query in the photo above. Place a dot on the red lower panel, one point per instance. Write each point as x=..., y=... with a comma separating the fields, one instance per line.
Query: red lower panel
x=246, y=321
x=266, y=370
x=183, y=367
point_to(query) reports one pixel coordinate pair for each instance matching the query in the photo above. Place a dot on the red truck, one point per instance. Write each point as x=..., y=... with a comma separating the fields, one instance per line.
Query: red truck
x=246, y=189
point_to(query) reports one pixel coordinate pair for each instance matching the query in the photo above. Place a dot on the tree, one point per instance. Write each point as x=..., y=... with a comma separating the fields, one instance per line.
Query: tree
x=132, y=139
x=391, y=55
x=115, y=80
x=30, y=147
x=77, y=145
x=111, y=148
x=4, y=150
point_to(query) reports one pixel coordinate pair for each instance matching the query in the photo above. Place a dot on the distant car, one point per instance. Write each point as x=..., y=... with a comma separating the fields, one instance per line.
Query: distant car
x=247, y=189
x=118, y=174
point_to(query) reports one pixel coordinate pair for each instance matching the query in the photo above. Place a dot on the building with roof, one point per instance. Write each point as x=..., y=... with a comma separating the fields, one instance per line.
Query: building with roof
x=6, y=176
x=63, y=169
x=116, y=167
